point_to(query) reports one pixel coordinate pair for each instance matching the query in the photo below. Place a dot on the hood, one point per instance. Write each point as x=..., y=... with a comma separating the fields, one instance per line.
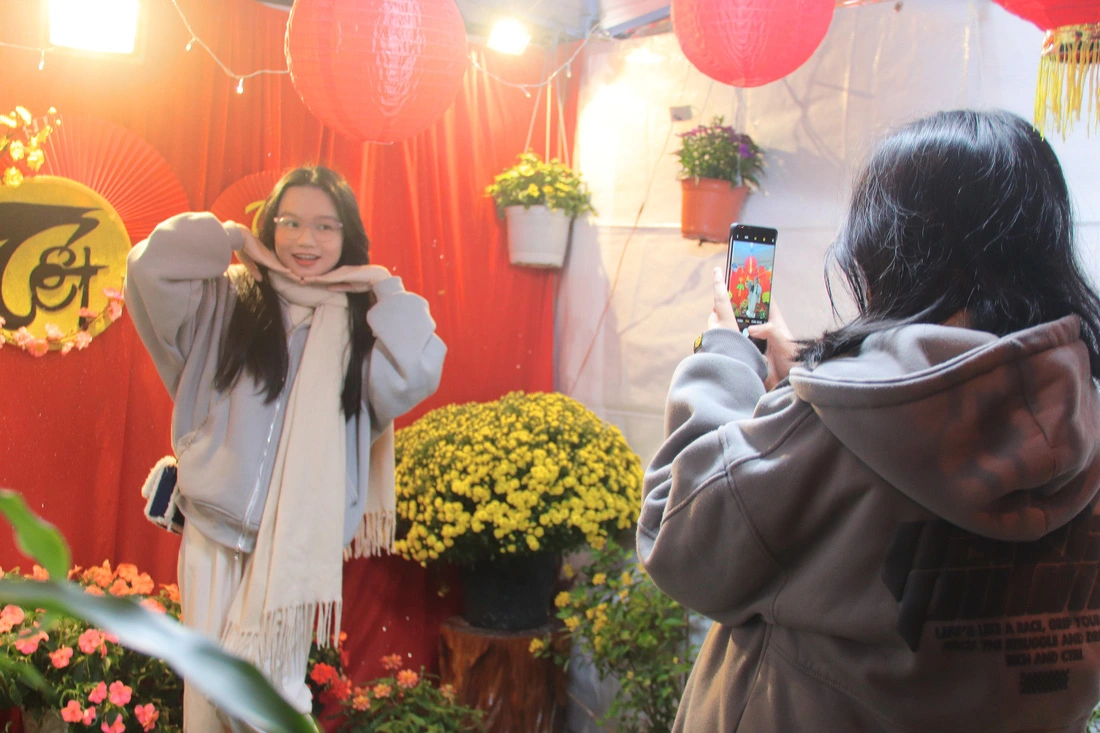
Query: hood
x=997, y=435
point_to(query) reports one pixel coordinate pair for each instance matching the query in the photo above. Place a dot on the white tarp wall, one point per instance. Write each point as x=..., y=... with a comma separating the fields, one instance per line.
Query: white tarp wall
x=877, y=67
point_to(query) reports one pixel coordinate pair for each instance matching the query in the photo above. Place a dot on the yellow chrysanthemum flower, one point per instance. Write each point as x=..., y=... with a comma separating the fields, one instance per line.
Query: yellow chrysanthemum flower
x=561, y=600
x=13, y=177
x=537, y=645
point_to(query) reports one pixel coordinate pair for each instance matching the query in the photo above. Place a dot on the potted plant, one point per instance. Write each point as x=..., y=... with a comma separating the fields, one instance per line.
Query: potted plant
x=718, y=167
x=539, y=200
x=503, y=488
x=403, y=701
x=631, y=632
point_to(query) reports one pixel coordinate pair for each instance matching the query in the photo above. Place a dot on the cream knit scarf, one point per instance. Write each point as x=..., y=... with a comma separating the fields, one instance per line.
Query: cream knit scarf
x=292, y=585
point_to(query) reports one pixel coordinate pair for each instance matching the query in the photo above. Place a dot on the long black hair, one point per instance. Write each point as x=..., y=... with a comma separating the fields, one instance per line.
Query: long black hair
x=255, y=341
x=962, y=211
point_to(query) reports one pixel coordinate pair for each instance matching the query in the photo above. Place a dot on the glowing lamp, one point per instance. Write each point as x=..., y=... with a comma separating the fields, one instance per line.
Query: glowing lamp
x=747, y=43
x=376, y=70
x=107, y=26
x=509, y=36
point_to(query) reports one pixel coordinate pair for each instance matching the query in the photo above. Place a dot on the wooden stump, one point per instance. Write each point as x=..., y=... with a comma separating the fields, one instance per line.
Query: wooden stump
x=495, y=671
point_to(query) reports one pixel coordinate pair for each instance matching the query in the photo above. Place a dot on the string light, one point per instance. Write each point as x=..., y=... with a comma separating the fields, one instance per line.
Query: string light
x=566, y=67
x=189, y=44
x=42, y=60
x=240, y=86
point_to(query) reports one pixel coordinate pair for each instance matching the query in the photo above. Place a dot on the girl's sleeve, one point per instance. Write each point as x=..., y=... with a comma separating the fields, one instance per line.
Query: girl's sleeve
x=407, y=358
x=172, y=279
x=694, y=537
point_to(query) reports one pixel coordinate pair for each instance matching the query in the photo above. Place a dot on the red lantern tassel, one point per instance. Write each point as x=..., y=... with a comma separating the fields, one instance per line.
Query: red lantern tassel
x=1069, y=78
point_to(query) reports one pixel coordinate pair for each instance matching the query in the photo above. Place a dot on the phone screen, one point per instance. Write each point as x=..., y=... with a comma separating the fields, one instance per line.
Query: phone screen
x=750, y=263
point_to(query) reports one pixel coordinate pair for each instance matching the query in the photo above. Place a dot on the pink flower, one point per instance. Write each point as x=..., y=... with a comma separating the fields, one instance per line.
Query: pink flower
x=407, y=678
x=10, y=617
x=116, y=727
x=119, y=588
x=99, y=694
x=82, y=339
x=72, y=713
x=67, y=347
x=53, y=333
x=114, y=310
x=127, y=571
x=143, y=584
x=391, y=661
x=153, y=605
x=29, y=645
x=120, y=693
x=22, y=337
x=109, y=637
x=89, y=715
x=146, y=715
x=61, y=657
x=2, y=321
x=88, y=313
x=88, y=642
x=38, y=347
x=94, y=590
x=112, y=294
x=39, y=573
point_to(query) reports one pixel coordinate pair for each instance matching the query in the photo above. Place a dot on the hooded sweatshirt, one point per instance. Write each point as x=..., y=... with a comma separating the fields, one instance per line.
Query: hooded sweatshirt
x=899, y=540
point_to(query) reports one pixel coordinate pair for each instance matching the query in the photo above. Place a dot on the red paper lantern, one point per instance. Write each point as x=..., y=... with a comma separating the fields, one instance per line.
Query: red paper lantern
x=1051, y=14
x=376, y=70
x=747, y=43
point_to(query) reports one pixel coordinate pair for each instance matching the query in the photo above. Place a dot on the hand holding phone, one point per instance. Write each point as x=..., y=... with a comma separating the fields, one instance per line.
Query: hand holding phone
x=750, y=262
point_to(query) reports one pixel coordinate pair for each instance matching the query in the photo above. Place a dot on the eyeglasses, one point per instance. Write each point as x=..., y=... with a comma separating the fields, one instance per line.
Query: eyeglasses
x=292, y=228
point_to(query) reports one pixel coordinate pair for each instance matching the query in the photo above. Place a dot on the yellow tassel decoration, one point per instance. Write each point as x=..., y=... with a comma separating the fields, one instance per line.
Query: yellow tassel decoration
x=1069, y=79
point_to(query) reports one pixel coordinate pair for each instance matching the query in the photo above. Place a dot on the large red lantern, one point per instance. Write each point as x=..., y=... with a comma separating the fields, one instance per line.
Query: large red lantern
x=1069, y=69
x=376, y=70
x=747, y=43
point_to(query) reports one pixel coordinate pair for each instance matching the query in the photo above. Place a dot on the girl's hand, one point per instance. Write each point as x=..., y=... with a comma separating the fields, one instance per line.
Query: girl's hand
x=254, y=254
x=350, y=278
x=781, y=346
x=722, y=316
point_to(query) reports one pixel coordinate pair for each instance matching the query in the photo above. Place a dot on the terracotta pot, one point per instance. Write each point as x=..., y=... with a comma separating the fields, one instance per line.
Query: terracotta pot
x=538, y=236
x=708, y=207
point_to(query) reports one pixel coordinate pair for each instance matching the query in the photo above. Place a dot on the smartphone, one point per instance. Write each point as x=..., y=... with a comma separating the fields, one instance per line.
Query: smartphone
x=750, y=262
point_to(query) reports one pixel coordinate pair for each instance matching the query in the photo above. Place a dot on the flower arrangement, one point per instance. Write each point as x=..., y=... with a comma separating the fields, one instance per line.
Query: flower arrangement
x=630, y=630
x=21, y=141
x=534, y=182
x=405, y=701
x=720, y=152
x=58, y=340
x=82, y=673
x=523, y=474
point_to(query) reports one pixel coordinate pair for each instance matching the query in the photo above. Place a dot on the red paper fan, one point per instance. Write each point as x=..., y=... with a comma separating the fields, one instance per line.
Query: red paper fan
x=120, y=166
x=237, y=203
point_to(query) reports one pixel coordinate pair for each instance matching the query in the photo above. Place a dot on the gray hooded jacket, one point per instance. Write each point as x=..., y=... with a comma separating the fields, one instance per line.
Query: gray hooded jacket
x=180, y=292
x=899, y=540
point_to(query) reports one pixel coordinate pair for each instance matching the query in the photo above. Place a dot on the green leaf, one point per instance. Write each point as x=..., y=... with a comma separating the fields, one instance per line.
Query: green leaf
x=232, y=684
x=35, y=537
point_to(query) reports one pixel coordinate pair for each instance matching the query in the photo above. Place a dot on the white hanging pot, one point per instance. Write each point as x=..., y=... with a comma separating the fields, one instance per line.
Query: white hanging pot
x=538, y=236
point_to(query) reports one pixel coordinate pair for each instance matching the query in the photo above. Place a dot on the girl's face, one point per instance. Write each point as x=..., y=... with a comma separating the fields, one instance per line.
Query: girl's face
x=309, y=238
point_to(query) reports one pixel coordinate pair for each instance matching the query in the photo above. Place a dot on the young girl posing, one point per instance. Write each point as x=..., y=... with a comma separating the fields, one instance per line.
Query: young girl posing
x=287, y=374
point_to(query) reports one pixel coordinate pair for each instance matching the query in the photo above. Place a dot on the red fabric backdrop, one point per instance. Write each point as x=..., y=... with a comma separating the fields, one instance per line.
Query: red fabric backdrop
x=78, y=433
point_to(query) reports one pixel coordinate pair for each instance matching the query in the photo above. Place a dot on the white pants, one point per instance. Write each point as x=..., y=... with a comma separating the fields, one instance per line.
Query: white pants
x=209, y=576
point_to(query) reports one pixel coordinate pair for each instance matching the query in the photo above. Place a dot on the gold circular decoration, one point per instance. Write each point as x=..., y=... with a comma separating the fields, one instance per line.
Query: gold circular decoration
x=63, y=254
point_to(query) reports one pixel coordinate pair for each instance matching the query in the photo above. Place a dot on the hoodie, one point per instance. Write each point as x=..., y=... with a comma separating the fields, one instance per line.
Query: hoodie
x=899, y=540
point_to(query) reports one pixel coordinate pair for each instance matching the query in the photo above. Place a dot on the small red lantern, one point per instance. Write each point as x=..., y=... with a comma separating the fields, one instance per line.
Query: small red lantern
x=1070, y=60
x=747, y=43
x=376, y=70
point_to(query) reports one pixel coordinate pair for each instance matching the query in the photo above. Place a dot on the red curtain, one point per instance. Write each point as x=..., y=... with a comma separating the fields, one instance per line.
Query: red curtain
x=78, y=433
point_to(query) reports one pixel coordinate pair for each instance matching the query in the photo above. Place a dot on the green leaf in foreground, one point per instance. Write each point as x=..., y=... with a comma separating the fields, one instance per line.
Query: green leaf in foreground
x=34, y=536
